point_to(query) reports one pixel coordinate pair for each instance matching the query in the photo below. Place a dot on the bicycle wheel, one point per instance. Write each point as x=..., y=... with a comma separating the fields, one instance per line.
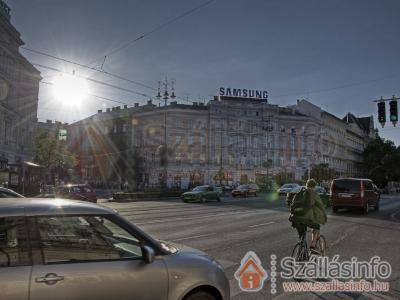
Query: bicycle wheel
x=321, y=245
x=300, y=252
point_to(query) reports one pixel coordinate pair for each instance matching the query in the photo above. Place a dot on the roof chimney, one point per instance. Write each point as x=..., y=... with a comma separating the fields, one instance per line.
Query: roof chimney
x=125, y=106
x=108, y=109
x=99, y=111
x=149, y=102
x=136, y=104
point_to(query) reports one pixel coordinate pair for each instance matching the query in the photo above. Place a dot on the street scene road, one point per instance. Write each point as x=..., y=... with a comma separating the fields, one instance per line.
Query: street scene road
x=227, y=230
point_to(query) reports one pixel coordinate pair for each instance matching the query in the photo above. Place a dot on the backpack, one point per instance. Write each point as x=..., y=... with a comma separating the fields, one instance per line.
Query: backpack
x=299, y=203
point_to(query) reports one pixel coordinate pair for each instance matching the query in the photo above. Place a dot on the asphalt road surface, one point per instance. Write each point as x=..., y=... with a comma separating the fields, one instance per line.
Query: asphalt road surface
x=228, y=229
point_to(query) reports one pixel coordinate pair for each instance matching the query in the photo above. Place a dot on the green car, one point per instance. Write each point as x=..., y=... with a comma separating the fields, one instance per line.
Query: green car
x=202, y=193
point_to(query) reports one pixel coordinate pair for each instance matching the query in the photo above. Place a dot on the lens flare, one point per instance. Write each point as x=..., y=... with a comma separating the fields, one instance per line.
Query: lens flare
x=70, y=89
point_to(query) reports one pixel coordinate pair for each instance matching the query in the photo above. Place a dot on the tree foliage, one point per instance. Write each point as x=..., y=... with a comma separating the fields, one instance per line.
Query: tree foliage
x=381, y=161
x=320, y=172
x=52, y=153
x=284, y=177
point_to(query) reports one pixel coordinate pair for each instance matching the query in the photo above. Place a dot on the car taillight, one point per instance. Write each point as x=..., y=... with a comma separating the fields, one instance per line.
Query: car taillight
x=362, y=190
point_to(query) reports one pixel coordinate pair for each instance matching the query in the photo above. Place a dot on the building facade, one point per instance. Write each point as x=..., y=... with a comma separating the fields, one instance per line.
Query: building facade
x=227, y=140
x=19, y=86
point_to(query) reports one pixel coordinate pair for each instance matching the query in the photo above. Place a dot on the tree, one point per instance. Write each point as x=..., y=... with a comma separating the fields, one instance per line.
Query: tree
x=52, y=154
x=381, y=161
x=320, y=172
x=284, y=177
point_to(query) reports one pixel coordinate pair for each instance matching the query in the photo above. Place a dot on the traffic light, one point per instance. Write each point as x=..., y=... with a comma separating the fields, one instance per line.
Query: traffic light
x=382, y=113
x=394, y=116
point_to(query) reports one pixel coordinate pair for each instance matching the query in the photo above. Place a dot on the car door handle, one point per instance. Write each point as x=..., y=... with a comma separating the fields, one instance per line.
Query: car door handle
x=50, y=278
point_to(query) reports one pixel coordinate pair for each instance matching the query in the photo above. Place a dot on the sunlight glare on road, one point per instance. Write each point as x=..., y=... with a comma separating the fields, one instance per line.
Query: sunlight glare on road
x=70, y=89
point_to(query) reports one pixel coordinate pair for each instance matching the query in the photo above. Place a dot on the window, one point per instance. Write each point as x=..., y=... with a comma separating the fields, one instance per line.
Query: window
x=85, y=238
x=190, y=140
x=177, y=140
x=13, y=242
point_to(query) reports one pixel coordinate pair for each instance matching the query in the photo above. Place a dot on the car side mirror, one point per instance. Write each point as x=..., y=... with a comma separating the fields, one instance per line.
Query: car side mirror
x=148, y=254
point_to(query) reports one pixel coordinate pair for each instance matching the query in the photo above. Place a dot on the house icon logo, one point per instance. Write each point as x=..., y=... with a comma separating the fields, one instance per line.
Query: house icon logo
x=251, y=275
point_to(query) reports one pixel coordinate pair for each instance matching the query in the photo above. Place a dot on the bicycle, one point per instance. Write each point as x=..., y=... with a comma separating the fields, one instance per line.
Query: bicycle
x=301, y=251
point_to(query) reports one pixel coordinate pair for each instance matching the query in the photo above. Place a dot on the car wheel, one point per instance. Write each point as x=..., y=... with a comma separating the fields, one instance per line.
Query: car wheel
x=200, y=295
x=335, y=209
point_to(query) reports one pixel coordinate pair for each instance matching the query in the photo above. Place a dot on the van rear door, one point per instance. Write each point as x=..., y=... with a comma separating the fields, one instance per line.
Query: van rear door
x=346, y=192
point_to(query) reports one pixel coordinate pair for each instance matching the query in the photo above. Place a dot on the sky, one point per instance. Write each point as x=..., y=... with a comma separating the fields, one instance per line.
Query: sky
x=338, y=54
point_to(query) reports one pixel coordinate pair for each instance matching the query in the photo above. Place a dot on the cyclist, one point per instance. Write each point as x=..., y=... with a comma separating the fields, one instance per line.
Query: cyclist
x=307, y=210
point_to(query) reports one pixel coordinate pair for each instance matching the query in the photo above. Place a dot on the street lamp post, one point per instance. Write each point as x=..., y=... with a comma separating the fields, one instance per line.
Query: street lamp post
x=166, y=95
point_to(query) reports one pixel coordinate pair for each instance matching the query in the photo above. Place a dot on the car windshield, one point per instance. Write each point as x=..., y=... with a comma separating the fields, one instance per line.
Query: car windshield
x=287, y=186
x=297, y=189
x=200, y=189
x=243, y=187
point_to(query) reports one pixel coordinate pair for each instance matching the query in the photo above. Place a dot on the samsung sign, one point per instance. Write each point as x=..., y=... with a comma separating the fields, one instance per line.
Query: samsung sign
x=243, y=93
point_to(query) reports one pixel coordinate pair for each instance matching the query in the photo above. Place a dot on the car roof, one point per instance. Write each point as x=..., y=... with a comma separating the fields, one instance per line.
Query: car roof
x=351, y=178
x=46, y=206
x=5, y=189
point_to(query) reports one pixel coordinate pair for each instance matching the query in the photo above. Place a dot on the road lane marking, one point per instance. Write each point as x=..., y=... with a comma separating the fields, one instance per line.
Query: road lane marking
x=262, y=224
x=193, y=237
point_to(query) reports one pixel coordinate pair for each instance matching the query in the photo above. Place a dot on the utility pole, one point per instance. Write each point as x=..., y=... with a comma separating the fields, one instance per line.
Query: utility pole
x=220, y=156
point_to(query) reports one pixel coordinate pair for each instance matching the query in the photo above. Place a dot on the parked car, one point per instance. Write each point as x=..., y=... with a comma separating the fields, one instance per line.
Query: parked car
x=7, y=193
x=354, y=193
x=290, y=195
x=202, y=193
x=72, y=242
x=286, y=188
x=82, y=192
x=321, y=191
x=246, y=190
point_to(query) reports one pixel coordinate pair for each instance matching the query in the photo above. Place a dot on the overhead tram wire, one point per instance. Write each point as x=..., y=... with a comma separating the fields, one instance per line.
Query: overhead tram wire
x=344, y=86
x=94, y=69
x=89, y=68
x=96, y=81
x=93, y=95
x=155, y=29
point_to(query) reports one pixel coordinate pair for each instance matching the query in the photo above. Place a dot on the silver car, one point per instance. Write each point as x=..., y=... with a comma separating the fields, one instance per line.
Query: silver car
x=7, y=193
x=61, y=249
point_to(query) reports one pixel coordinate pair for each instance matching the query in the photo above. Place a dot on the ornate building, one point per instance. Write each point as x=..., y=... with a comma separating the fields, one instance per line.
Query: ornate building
x=227, y=140
x=19, y=86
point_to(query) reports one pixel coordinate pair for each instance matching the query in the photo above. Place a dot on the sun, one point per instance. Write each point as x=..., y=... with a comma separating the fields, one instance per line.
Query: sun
x=70, y=89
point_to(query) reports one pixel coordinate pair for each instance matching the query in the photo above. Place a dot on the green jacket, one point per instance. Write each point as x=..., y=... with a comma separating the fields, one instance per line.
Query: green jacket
x=313, y=211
